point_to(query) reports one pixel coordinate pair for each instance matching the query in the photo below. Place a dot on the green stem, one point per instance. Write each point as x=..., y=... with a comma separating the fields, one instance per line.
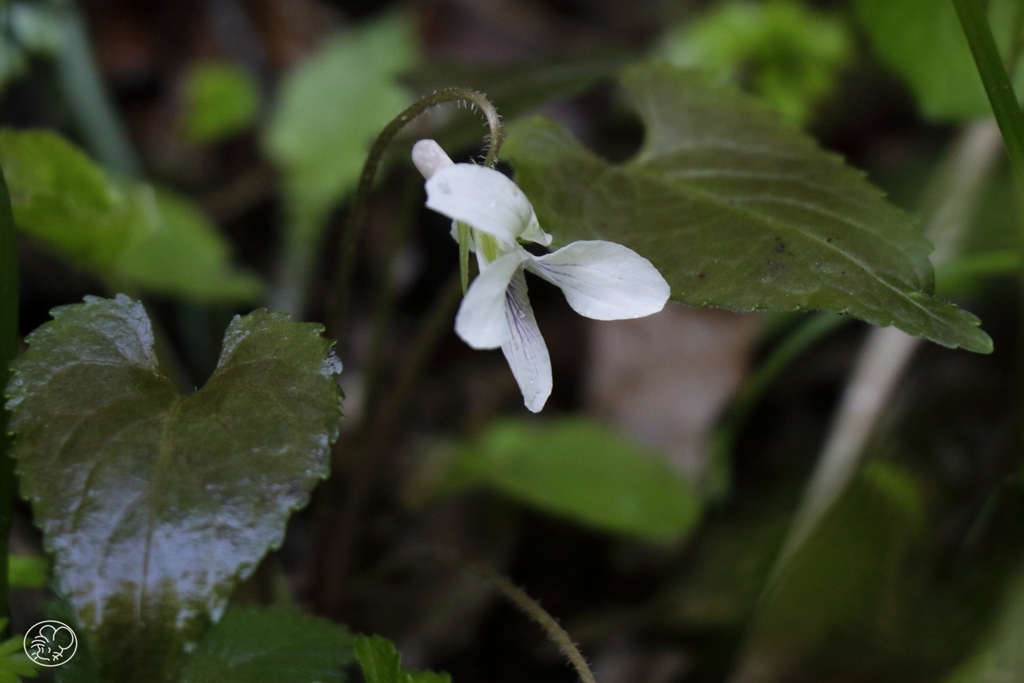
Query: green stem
x=8, y=350
x=997, y=83
x=1011, y=124
x=360, y=202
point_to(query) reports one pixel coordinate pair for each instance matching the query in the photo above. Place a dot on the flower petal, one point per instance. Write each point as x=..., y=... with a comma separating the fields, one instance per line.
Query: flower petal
x=533, y=232
x=482, y=198
x=525, y=350
x=429, y=158
x=603, y=280
x=481, y=320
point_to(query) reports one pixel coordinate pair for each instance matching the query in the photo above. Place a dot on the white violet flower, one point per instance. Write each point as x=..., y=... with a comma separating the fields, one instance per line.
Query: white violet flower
x=600, y=280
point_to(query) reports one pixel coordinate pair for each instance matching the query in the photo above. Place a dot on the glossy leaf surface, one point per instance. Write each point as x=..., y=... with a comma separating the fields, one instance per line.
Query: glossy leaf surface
x=738, y=210
x=152, y=503
x=582, y=470
x=270, y=644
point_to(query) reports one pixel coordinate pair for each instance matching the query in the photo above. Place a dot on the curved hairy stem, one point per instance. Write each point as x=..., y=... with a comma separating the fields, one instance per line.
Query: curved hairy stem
x=360, y=202
x=524, y=602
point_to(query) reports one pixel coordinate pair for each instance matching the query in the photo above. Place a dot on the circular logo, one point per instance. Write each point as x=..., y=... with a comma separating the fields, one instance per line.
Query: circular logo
x=50, y=643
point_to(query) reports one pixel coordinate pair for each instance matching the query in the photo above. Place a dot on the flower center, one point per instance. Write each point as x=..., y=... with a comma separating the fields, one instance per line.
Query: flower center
x=488, y=245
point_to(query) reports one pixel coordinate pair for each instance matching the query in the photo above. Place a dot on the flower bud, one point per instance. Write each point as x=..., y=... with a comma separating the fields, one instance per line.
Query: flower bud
x=429, y=158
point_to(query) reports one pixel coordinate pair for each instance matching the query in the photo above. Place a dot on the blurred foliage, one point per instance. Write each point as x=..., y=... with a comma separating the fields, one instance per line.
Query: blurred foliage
x=780, y=50
x=27, y=572
x=330, y=109
x=1003, y=657
x=120, y=229
x=27, y=29
x=922, y=40
x=579, y=469
x=220, y=99
x=850, y=582
x=14, y=663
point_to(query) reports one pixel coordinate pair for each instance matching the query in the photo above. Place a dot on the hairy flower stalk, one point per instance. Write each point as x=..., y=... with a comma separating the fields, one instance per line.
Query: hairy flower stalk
x=491, y=216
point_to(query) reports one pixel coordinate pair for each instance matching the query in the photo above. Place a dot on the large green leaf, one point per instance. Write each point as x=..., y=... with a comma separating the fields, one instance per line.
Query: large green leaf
x=122, y=230
x=739, y=210
x=152, y=503
x=382, y=663
x=270, y=644
x=923, y=41
x=580, y=469
x=332, y=107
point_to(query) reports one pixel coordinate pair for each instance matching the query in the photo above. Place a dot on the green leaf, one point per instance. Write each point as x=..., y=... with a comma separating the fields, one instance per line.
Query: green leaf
x=381, y=663
x=780, y=50
x=332, y=107
x=183, y=254
x=221, y=99
x=152, y=503
x=270, y=644
x=14, y=663
x=37, y=27
x=842, y=589
x=29, y=29
x=122, y=230
x=27, y=572
x=582, y=470
x=1001, y=657
x=64, y=199
x=738, y=210
x=923, y=41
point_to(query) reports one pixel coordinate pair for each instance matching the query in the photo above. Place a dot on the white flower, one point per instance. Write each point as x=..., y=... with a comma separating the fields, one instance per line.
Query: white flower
x=600, y=280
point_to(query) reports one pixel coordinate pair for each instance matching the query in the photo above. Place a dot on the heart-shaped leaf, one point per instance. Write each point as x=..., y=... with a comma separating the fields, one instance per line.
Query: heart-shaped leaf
x=152, y=503
x=738, y=210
